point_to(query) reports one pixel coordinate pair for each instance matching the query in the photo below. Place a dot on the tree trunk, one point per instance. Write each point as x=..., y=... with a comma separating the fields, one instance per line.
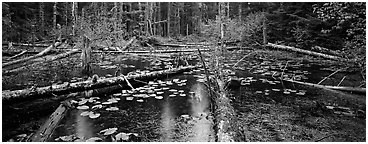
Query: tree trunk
x=32, y=57
x=66, y=13
x=73, y=18
x=168, y=18
x=240, y=12
x=304, y=51
x=46, y=130
x=54, y=16
x=42, y=18
x=264, y=30
x=35, y=93
x=86, y=55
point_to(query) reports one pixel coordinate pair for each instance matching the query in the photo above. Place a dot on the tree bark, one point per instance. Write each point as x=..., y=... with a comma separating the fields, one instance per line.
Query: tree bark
x=42, y=18
x=304, y=51
x=73, y=18
x=32, y=57
x=168, y=18
x=46, y=130
x=54, y=16
x=35, y=93
x=86, y=55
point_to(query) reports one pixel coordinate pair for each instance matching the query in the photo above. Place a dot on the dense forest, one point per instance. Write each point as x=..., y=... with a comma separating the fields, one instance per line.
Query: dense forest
x=183, y=71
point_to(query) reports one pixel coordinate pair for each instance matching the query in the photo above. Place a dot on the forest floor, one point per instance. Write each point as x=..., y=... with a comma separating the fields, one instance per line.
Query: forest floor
x=266, y=108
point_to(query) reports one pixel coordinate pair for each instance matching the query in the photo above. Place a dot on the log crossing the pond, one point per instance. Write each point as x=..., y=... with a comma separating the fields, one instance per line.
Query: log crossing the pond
x=39, y=92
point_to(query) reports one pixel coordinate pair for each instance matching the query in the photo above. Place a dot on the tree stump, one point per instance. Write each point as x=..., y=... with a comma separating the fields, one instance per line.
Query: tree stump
x=86, y=55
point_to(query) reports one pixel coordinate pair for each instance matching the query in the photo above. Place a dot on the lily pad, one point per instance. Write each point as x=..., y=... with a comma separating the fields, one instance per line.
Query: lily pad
x=129, y=98
x=122, y=136
x=93, y=139
x=109, y=131
x=107, y=103
x=159, y=97
x=112, y=109
x=97, y=106
x=86, y=113
x=94, y=115
x=83, y=107
x=140, y=100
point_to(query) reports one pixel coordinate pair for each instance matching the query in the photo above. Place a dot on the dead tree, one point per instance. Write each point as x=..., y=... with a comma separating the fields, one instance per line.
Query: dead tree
x=86, y=55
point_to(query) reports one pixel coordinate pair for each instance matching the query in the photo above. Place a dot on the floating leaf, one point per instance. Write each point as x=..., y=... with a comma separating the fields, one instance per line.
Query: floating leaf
x=112, y=109
x=258, y=92
x=159, y=97
x=83, y=101
x=86, y=113
x=97, y=106
x=68, y=138
x=181, y=91
x=129, y=98
x=159, y=92
x=165, y=88
x=173, y=90
x=172, y=95
x=94, y=115
x=276, y=90
x=107, y=103
x=182, y=95
x=83, y=107
x=122, y=136
x=109, y=131
x=93, y=139
x=139, y=100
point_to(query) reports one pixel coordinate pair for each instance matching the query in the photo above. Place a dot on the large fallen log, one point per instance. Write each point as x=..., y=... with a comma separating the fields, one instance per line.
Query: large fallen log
x=30, y=45
x=46, y=130
x=59, y=56
x=32, y=57
x=304, y=51
x=34, y=93
x=341, y=88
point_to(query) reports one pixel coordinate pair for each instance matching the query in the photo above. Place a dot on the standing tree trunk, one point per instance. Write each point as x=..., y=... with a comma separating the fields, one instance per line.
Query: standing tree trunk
x=74, y=15
x=42, y=18
x=264, y=30
x=240, y=12
x=168, y=19
x=54, y=16
x=86, y=55
x=228, y=9
x=66, y=14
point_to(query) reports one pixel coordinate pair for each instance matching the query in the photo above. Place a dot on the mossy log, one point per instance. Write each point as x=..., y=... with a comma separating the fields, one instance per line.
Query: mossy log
x=304, y=51
x=45, y=131
x=38, y=92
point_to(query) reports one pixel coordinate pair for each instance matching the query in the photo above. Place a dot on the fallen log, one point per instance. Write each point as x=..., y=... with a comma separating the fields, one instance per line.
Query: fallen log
x=30, y=45
x=32, y=57
x=59, y=56
x=46, y=130
x=38, y=92
x=304, y=51
x=17, y=55
x=347, y=89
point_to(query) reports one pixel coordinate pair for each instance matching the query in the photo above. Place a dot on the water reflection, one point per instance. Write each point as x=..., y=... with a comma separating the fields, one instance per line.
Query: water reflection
x=167, y=121
x=84, y=126
x=200, y=109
